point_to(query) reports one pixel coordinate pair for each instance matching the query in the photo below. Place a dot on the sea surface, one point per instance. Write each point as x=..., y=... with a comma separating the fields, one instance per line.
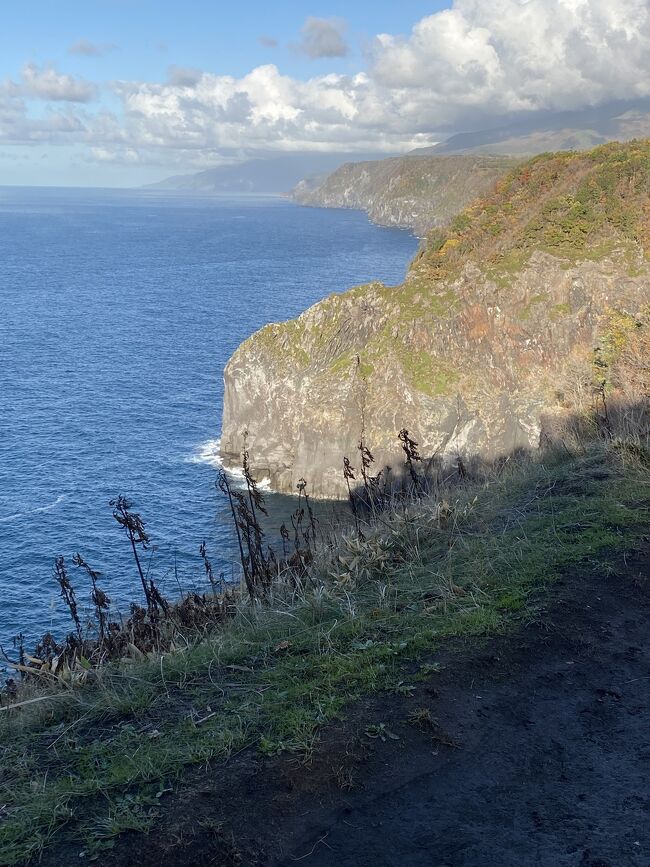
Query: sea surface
x=118, y=312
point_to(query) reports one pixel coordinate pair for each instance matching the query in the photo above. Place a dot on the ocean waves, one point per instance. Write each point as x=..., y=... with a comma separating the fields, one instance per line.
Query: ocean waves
x=208, y=453
x=17, y=516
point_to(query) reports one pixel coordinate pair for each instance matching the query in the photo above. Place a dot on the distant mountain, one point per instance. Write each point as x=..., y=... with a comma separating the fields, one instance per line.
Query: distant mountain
x=539, y=133
x=271, y=175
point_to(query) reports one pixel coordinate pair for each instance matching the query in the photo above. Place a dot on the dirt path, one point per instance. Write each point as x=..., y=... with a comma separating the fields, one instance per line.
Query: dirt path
x=533, y=749
x=553, y=766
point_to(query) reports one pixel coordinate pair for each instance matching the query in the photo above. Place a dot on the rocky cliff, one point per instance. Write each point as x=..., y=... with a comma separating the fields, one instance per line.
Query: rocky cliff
x=412, y=192
x=505, y=318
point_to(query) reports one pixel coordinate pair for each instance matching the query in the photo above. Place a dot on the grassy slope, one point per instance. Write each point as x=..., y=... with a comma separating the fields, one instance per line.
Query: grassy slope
x=91, y=763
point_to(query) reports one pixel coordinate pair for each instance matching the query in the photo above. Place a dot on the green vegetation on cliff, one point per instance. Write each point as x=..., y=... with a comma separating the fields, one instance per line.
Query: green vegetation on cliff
x=415, y=192
x=571, y=205
x=499, y=314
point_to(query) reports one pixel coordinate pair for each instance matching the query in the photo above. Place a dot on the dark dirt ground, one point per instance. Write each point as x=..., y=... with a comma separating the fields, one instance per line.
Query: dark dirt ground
x=538, y=753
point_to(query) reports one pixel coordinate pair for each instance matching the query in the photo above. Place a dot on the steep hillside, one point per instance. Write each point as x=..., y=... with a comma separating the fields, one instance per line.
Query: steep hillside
x=507, y=322
x=414, y=192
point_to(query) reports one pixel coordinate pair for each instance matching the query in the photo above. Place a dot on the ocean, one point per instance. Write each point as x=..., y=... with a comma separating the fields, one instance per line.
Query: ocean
x=118, y=312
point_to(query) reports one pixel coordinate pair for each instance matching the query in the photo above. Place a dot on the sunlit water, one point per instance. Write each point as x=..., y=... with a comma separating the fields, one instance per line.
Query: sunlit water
x=118, y=311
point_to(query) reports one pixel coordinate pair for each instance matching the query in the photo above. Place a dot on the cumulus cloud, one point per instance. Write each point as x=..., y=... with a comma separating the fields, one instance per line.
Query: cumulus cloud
x=465, y=67
x=56, y=123
x=47, y=83
x=511, y=56
x=462, y=67
x=55, y=126
x=262, y=110
x=85, y=48
x=323, y=37
x=268, y=41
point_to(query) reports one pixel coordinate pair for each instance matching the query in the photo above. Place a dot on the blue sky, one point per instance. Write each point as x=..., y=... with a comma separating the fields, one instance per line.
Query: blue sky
x=120, y=92
x=220, y=37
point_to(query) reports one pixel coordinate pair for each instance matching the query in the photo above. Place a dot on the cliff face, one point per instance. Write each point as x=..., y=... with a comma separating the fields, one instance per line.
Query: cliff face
x=412, y=192
x=493, y=331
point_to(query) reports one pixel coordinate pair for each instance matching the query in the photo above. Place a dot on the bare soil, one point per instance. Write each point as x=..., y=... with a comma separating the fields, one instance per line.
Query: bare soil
x=531, y=748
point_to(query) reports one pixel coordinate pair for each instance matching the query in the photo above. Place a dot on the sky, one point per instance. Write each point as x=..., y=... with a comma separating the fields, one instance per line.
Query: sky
x=122, y=92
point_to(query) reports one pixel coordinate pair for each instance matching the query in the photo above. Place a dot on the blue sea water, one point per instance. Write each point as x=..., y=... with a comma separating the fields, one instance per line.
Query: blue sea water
x=118, y=312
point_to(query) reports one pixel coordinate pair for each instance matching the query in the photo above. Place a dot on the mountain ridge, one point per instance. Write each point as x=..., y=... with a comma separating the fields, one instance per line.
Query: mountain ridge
x=553, y=131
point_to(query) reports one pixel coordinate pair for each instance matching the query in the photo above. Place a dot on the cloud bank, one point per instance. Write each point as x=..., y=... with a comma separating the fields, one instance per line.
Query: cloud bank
x=461, y=68
x=509, y=56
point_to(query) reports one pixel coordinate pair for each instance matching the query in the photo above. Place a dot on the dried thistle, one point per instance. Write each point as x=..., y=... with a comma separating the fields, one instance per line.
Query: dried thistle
x=100, y=600
x=410, y=449
x=67, y=593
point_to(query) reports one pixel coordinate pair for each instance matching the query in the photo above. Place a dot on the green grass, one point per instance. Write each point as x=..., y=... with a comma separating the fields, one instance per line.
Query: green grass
x=347, y=364
x=283, y=341
x=426, y=374
x=560, y=311
x=95, y=761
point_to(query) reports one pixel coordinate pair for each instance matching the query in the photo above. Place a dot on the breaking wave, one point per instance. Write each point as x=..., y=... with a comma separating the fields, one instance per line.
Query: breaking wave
x=208, y=453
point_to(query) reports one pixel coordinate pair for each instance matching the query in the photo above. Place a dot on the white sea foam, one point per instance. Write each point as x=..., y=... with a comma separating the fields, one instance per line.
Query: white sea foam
x=208, y=453
x=47, y=508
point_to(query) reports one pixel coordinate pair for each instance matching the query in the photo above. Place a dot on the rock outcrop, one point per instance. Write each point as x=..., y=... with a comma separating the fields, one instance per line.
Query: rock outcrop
x=410, y=192
x=495, y=329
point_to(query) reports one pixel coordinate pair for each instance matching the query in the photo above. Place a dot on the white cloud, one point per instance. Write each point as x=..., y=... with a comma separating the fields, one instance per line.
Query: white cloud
x=85, y=48
x=122, y=156
x=464, y=67
x=323, y=37
x=264, y=110
x=49, y=84
x=507, y=56
x=55, y=126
